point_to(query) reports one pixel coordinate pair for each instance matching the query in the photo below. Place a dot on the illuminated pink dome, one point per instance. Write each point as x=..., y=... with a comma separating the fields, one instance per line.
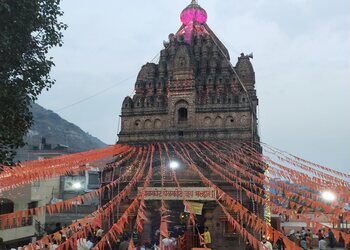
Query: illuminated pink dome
x=193, y=13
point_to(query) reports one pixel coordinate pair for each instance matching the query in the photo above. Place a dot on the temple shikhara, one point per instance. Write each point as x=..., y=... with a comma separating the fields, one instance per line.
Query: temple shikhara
x=193, y=93
x=189, y=170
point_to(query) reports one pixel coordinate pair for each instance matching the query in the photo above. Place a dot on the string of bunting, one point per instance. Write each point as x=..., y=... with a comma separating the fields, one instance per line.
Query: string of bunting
x=192, y=216
x=118, y=227
x=105, y=213
x=164, y=233
x=16, y=217
x=84, y=225
x=220, y=171
x=30, y=171
x=313, y=184
x=259, y=190
x=340, y=174
x=260, y=225
x=243, y=166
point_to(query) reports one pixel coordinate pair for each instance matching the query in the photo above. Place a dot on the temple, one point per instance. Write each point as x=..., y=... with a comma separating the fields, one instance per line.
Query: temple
x=194, y=92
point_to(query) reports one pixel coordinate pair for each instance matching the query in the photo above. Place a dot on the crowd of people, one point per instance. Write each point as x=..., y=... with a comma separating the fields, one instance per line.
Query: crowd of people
x=304, y=238
x=58, y=236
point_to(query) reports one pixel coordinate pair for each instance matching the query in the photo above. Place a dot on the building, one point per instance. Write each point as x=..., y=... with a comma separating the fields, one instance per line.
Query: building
x=43, y=192
x=29, y=196
x=194, y=93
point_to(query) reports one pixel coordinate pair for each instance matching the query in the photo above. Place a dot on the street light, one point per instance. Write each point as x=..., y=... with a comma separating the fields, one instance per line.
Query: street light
x=328, y=196
x=174, y=165
x=77, y=186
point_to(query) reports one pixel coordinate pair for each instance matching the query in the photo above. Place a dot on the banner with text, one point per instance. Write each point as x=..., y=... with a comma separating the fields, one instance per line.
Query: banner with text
x=173, y=193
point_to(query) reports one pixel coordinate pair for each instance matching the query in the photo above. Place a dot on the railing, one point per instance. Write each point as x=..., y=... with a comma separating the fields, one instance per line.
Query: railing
x=39, y=228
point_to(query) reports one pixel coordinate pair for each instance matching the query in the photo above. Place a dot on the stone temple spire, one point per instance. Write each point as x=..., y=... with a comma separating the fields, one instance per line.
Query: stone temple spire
x=192, y=92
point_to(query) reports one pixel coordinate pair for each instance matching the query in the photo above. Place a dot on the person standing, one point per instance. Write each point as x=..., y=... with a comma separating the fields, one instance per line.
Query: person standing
x=267, y=244
x=207, y=237
x=248, y=246
x=303, y=243
x=124, y=245
x=303, y=232
x=54, y=245
x=2, y=244
x=320, y=234
x=99, y=233
x=280, y=244
x=331, y=238
x=322, y=244
x=309, y=237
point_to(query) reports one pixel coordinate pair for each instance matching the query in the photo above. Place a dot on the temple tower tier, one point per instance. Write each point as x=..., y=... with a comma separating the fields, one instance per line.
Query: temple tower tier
x=194, y=92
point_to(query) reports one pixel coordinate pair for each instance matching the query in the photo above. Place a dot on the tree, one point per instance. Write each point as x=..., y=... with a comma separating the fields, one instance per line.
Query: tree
x=28, y=29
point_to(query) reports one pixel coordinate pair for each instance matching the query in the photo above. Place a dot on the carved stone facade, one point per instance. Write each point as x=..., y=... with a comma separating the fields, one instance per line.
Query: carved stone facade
x=193, y=93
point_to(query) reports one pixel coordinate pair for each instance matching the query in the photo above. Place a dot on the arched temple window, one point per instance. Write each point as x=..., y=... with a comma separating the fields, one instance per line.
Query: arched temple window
x=182, y=115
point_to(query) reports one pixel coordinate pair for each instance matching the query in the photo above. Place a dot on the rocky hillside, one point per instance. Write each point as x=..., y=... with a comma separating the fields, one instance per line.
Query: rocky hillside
x=58, y=133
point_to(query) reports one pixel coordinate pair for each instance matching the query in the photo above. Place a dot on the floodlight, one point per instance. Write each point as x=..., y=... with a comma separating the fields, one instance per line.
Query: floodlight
x=328, y=196
x=174, y=165
x=77, y=185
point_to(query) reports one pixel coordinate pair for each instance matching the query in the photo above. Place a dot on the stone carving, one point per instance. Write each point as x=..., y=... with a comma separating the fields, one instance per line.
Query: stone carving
x=218, y=121
x=230, y=121
x=207, y=121
x=138, y=124
x=157, y=123
x=245, y=121
x=148, y=124
x=200, y=73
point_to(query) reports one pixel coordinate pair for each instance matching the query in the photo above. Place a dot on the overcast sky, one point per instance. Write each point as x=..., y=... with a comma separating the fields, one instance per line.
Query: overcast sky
x=301, y=60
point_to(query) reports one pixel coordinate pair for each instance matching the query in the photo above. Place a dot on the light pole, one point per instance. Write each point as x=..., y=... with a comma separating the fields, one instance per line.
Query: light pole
x=329, y=197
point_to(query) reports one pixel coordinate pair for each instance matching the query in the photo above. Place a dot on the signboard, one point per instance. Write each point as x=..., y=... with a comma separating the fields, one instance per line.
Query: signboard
x=196, y=207
x=173, y=193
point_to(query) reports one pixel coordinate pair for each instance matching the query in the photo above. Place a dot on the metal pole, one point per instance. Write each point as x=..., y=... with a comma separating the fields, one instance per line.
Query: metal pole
x=118, y=208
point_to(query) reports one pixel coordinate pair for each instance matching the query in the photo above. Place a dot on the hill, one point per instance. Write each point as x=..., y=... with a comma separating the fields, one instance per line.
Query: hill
x=51, y=132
